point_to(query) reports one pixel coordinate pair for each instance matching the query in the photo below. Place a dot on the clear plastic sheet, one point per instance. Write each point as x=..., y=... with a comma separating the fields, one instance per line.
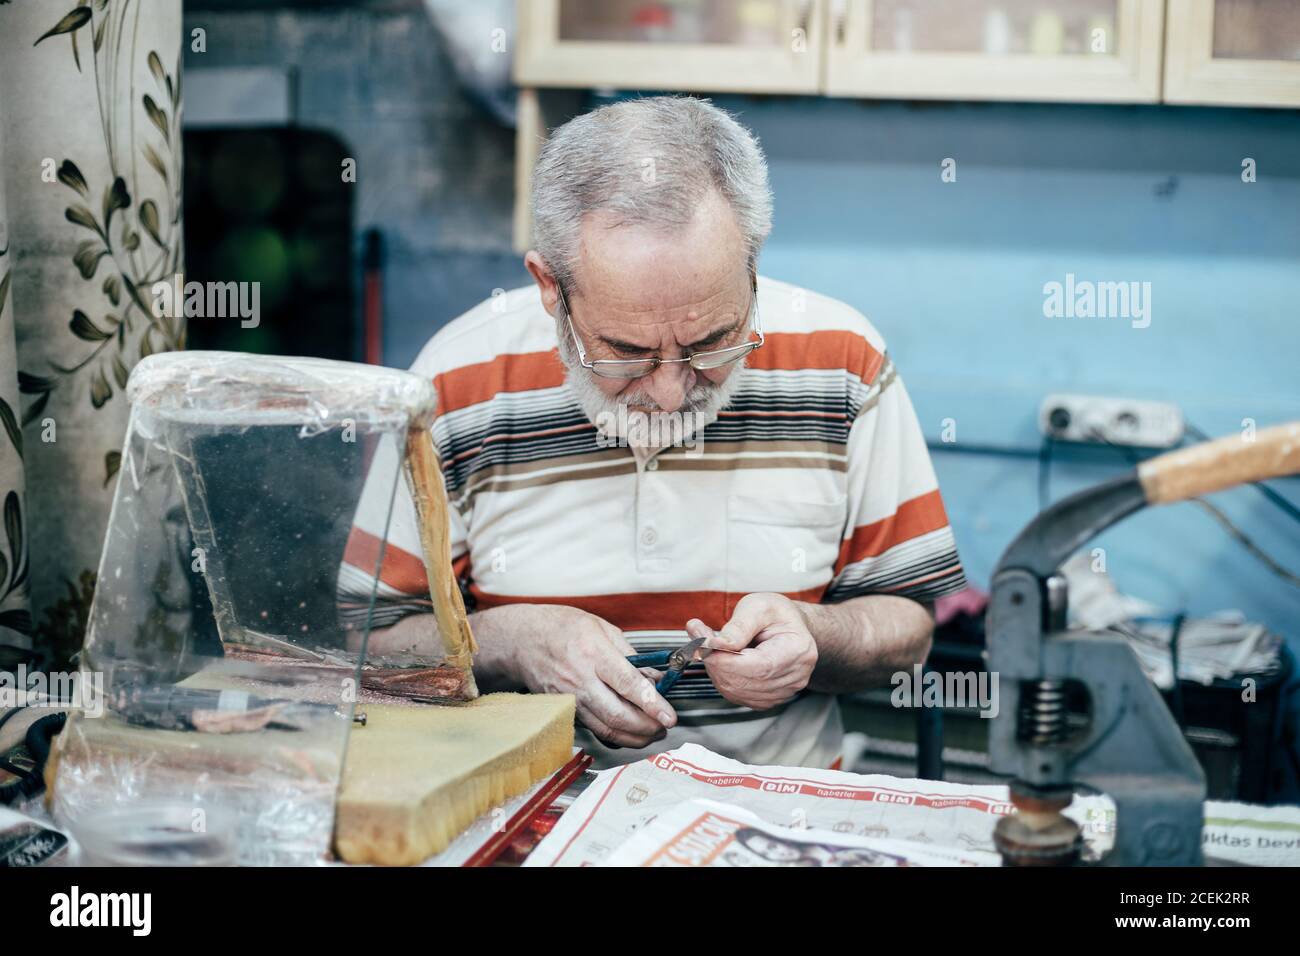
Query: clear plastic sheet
x=230, y=671
x=240, y=389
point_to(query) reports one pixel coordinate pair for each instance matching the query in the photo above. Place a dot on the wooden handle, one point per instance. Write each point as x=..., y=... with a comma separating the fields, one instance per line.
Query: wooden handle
x=424, y=476
x=1222, y=463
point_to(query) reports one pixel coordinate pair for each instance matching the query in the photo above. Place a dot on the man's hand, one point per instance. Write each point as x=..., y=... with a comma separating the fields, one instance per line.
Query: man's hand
x=777, y=653
x=562, y=650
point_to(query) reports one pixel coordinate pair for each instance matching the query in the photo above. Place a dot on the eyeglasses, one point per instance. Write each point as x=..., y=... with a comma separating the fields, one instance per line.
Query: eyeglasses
x=638, y=368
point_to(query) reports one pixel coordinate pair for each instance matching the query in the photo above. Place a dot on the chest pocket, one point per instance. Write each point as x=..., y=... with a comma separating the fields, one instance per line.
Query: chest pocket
x=782, y=545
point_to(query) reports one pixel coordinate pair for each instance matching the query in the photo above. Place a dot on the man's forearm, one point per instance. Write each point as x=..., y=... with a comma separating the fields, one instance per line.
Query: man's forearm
x=494, y=664
x=495, y=631
x=863, y=641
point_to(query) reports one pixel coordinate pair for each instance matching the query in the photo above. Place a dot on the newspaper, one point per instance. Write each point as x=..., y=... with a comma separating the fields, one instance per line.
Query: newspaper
x=949, y=818
x=1251, y=835
x=876, y=806
x=706, y=833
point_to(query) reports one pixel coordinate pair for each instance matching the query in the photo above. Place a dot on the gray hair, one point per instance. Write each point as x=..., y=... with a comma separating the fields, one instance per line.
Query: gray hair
x=648, y=161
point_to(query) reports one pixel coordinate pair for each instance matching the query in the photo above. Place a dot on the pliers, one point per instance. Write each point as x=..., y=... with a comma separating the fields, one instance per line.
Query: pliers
x=675, y=661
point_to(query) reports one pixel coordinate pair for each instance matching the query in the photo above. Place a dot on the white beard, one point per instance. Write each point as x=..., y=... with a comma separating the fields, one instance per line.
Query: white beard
x=699, y=408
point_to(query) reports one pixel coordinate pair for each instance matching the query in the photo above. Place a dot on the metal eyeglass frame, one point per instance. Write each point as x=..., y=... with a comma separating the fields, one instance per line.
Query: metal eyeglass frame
x=740, y=351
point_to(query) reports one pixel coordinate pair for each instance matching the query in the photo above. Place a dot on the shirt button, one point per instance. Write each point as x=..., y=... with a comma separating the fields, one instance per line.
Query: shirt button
x=652, y=465
x=648, y=537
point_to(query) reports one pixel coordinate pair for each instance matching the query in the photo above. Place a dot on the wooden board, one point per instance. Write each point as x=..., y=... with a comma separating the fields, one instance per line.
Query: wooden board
x=415, y=777
x=424, y=477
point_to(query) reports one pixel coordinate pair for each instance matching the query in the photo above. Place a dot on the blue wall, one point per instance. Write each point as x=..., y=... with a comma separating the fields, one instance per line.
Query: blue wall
x=952, y=274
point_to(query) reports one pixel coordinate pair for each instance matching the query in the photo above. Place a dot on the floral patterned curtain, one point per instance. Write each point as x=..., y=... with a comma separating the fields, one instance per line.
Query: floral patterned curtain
x=90, y=219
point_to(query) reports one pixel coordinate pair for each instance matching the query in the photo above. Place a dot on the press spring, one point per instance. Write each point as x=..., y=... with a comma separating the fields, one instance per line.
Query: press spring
x=1043, y=712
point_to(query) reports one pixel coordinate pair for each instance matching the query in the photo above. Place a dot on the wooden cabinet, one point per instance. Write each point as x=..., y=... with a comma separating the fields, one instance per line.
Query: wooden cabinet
x=753, y=46
x=1072, y=50
x=1240, y=52
x=1233, y=52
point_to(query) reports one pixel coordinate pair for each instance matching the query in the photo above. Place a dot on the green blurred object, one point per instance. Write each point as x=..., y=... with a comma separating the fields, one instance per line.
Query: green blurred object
x=256, y=254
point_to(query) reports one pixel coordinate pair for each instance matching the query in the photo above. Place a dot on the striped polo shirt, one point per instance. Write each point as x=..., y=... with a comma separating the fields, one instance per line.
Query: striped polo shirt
x=814, y=482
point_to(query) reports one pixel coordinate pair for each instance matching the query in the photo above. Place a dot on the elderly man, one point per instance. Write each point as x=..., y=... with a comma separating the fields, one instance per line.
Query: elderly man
x=654, y=442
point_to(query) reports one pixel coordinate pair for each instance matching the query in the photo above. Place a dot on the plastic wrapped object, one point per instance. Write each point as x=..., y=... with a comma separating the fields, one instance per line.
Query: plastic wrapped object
x=229, y=664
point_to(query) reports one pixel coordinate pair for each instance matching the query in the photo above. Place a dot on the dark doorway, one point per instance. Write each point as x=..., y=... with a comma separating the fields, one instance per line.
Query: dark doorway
x=270, y=206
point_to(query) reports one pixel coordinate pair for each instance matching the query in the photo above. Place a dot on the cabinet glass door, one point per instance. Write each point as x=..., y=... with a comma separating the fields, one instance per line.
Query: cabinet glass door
x=1075, y=50
x=758, y=46
x=745, y=22
x=995, y=27
x=1257, y=30
x=1233, y=52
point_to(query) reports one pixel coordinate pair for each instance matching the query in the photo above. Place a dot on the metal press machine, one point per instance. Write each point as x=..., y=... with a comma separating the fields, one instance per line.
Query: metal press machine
x=1078, y=711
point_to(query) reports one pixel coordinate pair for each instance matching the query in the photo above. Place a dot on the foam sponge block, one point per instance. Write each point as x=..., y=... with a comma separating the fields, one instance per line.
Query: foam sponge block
x=415, y=777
